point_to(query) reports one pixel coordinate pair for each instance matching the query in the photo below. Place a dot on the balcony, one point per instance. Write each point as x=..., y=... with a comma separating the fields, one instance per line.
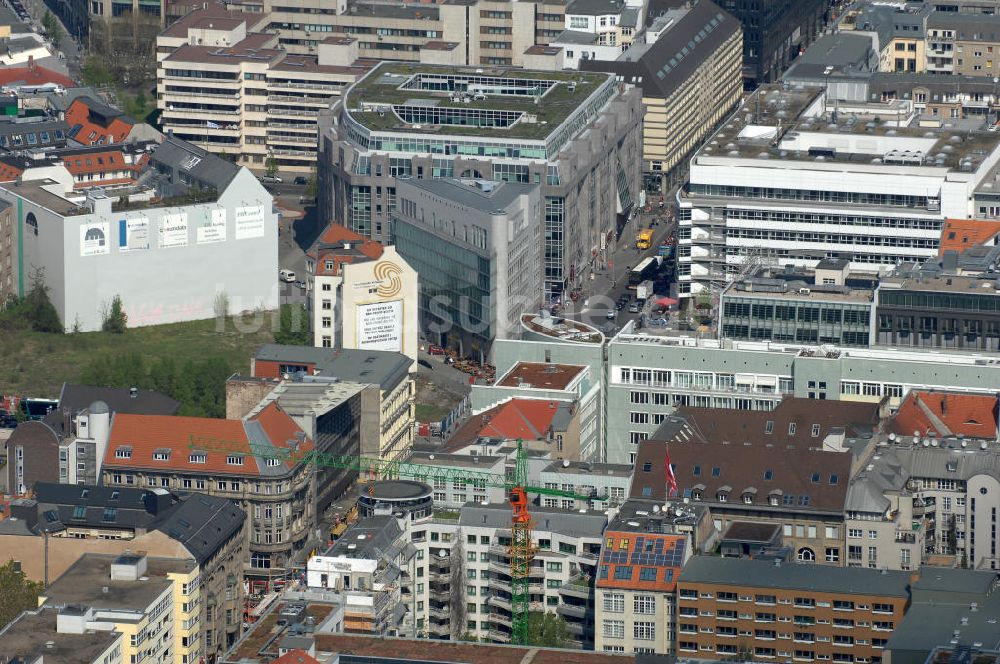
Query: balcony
x=905, y=537
x=304, y=86
x=276, y=138
x=296, y=112
x=440, y=612
x=577, y=611
x=441, y=629
x=499, y=602
x=500, y=619
x=293, y=126
x=293, y=153
x=578, y=587
x=498, y=636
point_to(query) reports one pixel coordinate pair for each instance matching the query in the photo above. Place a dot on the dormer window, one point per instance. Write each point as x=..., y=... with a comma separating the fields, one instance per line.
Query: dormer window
x=234, y=460
x=815, y=431
x=161, y=454
x=197, y=457
x=722, y=495
x=123, y=452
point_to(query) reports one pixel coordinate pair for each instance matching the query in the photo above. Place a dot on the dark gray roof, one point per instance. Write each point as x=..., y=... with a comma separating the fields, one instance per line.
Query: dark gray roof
x=594, y=7
x=202, y=523
x=793, y=576
x=377, y=367
x=572, y=523
x=466, y=192
x=953, y=606
x=575, y=37
x=371, y=538
x=663, y=66
x=177, y=157
x=841, y=49
x=120, y=400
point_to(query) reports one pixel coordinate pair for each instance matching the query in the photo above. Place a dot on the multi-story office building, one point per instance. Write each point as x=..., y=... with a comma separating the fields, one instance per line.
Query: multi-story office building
x=361, y=295
x=388, y=371
x=792, y=179
x=452, y=494
x=282, y=498
x=685, y=92
x=575, y=389
x=208, y=223
x=44, y=635
x=153, y=602
x=791, y=466
x=576, y=135
x=372, y=567
x=609, y=482
x=484, y=32
x=772, y=33
x=901, y=30
x=938, y=311
x=765, y=609
x=477, y=245
x=644, y=549
x=770, y=308
x=651, y=375
x=235, y=92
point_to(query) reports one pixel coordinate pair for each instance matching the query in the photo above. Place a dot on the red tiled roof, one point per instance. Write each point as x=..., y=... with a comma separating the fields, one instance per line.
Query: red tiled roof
x=102, y=163
x=947, y=414
x=146, y=434
x=296, y=657
x=90, y=133
x=9, y=172
x=528, y=419
x=335, y=234
x=33, y=75
x=960, y=234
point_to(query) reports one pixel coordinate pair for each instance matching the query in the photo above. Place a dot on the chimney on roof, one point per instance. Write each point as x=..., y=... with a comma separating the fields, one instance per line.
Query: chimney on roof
x=31, y=63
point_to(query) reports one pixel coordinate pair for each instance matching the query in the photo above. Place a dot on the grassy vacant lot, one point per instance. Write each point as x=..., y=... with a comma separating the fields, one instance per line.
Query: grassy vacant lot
x=36, y=364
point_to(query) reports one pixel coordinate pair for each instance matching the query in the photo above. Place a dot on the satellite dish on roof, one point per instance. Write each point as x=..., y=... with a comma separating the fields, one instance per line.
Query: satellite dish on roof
x=443, y=552
x=565, y=463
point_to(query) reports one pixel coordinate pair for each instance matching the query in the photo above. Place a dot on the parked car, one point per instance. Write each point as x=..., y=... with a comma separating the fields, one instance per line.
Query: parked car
x=271, y=179
x=611, y=314
x=301, y=180
x=287, y=276
x=633, y=308
x=435, y=350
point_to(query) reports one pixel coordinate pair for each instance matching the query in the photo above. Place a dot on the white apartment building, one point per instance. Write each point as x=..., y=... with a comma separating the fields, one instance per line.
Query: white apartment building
x=610, y=482
x=791, y=179
x=454, y=493
x=234, y=91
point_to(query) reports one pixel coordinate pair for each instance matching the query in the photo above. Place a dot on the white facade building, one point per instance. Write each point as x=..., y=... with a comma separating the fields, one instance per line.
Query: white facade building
x=790, y=179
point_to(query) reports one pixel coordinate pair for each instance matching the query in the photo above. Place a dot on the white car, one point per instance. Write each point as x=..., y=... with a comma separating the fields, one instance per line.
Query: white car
x=286, y=275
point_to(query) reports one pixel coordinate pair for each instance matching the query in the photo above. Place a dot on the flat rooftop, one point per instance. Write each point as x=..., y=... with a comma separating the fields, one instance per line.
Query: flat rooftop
x=795, y=576
x=942, y=284
x=425, y=650
x=32, y=633
x=83, y=584
x=541, y=375
x=765, y=288
x=483, y=195
x=445, y=459
x=792, y=125
x=562, y=329
x=584, y=468
x=502, y=103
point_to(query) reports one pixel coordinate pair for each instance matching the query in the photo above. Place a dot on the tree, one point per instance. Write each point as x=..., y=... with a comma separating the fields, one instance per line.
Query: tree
x=457, y=589
x=115, y=318
x=96, y=73
x=271, y=165
x=33, y=311
x=312, y=185
x=52, y=27
x=293, y=327
x=17, y=593
x=547, y=630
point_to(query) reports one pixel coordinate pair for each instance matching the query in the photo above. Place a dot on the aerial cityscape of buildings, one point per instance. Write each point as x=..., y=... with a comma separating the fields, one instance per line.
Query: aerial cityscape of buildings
x=462, y=331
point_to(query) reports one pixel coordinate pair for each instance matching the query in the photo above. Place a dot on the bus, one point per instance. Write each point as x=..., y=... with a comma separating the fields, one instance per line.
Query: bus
x=643, y=271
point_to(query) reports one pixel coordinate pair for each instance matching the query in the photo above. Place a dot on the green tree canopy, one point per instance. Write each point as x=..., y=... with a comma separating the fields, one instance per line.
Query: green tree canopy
x=17, y=593
x=547, y=630
x=293, y=327
x=115, y=318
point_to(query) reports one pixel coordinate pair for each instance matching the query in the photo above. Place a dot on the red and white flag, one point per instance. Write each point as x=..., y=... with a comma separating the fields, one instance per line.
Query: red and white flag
x=671, y=478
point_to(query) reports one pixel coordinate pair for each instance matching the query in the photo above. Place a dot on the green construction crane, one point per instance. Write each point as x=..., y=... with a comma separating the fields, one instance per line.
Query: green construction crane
x=521, y=550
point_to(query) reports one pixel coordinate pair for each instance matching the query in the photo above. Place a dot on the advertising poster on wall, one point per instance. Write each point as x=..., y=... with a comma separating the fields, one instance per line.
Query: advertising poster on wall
x=133, y=234
x=94, y=238
x=380, y=326
x=173, y=230
x=249, y=222
x=213, y=229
